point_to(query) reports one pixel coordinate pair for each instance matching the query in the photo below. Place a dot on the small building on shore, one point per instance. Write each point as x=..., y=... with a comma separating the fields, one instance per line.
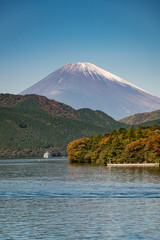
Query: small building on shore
x=47, y=155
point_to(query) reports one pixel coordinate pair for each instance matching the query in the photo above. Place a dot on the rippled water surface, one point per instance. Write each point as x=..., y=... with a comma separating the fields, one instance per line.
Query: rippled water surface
x=55, y=200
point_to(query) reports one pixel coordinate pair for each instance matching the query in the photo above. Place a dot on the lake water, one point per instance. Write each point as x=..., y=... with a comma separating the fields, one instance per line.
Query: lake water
x=55, y=200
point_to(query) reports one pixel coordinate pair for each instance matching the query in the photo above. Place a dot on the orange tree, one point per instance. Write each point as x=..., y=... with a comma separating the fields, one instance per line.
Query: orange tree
x=77, y=149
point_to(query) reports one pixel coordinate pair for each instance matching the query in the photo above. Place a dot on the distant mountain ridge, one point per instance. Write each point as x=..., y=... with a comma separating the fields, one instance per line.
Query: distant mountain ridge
x=84, y=85
x=148, y=118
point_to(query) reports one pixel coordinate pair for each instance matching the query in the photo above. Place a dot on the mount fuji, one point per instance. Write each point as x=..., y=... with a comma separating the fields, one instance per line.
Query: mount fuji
x=84, y=85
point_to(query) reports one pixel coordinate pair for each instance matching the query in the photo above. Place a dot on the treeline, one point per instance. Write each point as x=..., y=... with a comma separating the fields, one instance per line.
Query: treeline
x=141, y=145
x=30, y=153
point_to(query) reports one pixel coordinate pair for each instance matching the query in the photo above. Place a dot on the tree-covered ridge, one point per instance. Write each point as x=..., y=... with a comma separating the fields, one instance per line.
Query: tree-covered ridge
x=26, y=130
x=141, y=145
x=50, y=106
x=58, y=109
x=99, y=118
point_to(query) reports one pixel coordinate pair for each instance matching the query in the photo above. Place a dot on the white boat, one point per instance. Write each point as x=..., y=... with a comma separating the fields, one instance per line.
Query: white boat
x=47, y=155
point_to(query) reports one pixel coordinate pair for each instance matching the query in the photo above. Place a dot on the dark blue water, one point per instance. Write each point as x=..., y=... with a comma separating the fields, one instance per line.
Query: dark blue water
x=55, y=200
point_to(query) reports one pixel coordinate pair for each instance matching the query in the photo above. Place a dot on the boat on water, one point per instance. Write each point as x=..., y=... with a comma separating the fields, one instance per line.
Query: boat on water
x=47, y=155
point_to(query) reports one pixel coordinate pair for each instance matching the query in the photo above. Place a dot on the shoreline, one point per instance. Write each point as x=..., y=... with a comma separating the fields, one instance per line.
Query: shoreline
x=133, y=165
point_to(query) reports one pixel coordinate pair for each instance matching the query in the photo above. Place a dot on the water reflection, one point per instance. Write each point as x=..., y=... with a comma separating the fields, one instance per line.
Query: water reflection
x=59, y=179
x=114, y=174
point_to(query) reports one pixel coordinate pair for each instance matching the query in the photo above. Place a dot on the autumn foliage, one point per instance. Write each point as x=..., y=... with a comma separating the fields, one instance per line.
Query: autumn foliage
x=120, y=146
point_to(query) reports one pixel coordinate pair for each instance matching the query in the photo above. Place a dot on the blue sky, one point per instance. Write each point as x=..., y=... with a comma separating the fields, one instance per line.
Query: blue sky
x=39, y=36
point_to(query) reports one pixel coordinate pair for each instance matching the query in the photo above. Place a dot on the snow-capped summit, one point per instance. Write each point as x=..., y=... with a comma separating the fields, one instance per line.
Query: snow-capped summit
x=88, y=69
x=92, y=70
x=84, y=85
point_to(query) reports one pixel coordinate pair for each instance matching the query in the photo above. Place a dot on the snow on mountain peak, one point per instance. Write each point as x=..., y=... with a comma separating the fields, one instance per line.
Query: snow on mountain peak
x=89, y=69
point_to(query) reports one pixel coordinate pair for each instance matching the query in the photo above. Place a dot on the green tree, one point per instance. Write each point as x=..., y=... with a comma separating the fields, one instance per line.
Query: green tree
x=131, y=133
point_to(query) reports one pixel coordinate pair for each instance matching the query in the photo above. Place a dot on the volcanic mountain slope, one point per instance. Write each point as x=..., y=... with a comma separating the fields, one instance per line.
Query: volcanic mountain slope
x=84, y=85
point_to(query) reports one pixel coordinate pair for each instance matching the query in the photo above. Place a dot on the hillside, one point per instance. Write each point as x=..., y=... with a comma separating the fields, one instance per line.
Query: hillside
x=99, y=118
x=32, y=124
x=140, y=145
x=141, y=118
x=58, y=109
x=51, y=106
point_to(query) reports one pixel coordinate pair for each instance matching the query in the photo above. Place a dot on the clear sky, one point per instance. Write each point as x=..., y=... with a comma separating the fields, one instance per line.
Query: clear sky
x=39, y=36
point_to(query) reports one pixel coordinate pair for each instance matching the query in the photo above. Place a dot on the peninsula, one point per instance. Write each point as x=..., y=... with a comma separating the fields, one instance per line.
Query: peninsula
x=141, y=145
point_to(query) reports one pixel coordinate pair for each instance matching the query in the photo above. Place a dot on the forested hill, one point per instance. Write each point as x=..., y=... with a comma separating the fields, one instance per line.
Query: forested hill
x=99, y=118
x=148, y=119
x=141, y=145
x=31, y=125
x=58, y=109
x=51, y=106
